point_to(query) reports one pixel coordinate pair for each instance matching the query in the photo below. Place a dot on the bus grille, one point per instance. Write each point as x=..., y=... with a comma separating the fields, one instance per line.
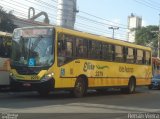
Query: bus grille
x=27, y=71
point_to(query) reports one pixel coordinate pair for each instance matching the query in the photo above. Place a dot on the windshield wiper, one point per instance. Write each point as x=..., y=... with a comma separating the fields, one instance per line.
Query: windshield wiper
x=39, y=38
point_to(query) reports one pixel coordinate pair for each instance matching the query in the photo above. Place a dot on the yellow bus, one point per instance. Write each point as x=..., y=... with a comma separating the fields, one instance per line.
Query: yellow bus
x=47, y=58
x=5, y=47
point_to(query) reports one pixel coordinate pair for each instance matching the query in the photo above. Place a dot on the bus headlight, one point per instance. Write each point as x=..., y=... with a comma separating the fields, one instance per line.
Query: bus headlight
x=47, y=77
x=50, y=75
x=12, y=76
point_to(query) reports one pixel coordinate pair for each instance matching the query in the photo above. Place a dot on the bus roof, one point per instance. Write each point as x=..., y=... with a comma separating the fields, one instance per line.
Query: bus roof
x=101, y=38
x=5, y=34
x=93, y=37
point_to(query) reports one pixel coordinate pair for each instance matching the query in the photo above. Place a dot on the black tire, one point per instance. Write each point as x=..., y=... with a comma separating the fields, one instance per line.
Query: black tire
x=131, y=86
x=80, y=88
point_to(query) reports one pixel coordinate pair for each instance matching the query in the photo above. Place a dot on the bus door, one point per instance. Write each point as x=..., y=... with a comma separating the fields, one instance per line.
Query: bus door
x=65, y=57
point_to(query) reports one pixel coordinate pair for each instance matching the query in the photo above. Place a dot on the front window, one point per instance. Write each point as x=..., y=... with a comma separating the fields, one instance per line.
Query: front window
x=5, y=46
x=32, y=47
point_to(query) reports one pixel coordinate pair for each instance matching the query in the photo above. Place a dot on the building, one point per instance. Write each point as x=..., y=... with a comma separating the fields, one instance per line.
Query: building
x=26, y=22
x=66, y=13
x=133, y=23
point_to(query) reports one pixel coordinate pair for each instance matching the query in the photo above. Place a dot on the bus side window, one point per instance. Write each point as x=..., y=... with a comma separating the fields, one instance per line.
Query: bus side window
x=147, y=58
x=125, y=52
x=130, y=55
x=61, y=49
x=135, y=55
x=110, y=52
x=90, y=49
x=113, y=52
x=65, y=49
x=104, y=51
x=98, y=50
x=69, y=49
x=61, y=45
x=119, y=53
x=140, y=56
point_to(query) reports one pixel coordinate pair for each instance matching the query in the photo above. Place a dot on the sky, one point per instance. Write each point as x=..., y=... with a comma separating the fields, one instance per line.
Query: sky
x=118, y=10
x=111, y=12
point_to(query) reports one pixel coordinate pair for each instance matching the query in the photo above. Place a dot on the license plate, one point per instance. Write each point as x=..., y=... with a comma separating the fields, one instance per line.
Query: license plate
x=27, y=84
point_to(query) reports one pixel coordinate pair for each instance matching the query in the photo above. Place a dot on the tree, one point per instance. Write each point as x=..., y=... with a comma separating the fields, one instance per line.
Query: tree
x=6, y=24
x=148, y=36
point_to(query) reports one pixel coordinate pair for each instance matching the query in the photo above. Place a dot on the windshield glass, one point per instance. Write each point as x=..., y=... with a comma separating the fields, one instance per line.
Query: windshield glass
x=156, y=77
x=32, y=47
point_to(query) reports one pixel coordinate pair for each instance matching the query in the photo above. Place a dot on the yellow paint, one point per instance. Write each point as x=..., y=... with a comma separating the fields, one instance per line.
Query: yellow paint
x=99, y=73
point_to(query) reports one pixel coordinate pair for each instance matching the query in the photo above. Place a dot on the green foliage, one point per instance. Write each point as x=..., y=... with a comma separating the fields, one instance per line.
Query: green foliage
x=148, y=36
x=6, y=23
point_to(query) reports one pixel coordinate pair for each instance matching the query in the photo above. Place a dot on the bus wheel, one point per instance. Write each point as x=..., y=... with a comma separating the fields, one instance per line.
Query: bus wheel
x=80, y=88
x=131, y=86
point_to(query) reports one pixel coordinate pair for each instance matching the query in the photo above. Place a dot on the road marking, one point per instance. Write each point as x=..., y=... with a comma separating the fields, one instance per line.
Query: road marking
x=114, y=107
x=79, y=108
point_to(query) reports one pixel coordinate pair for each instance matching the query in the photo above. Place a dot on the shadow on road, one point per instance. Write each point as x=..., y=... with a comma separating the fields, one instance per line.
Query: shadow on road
x=33, y=99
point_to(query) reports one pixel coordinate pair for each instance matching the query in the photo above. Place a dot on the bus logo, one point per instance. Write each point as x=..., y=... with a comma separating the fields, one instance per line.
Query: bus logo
x=62, y=72
x=88, y=66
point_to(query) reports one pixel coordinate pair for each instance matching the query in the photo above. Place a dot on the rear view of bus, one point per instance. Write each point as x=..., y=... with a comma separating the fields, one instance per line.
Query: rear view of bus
x=5, y=46
x=31, y=58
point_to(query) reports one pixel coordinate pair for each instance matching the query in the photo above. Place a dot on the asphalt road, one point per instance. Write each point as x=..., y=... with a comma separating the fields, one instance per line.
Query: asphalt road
x=61, y=105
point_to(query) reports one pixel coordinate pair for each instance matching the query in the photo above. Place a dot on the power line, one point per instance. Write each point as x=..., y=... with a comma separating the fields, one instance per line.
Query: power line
x=93, y=21
x=94, y=16
x=102, y=24
x=45, y=3
x=147, y=5
x=77, y=15
x=157, y=4
x=20, y=11
x=104, y=19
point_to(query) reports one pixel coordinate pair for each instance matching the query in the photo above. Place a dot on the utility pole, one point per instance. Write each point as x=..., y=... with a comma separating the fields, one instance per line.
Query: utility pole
x=113, y=28
x=159, y=39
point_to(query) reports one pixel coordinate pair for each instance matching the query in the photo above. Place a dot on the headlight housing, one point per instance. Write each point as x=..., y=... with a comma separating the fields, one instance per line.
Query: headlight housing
x=12, y=75
x=50, y=75
x=47, y=77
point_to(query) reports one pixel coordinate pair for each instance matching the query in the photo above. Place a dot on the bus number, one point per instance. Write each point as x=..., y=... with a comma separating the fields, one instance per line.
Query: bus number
x=99, y=73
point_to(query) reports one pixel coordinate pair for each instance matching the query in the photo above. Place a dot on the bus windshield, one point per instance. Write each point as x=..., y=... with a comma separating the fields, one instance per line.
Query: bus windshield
x=32, y=47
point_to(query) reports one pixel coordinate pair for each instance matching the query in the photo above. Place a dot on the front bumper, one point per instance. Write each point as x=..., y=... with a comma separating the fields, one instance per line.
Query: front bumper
x=155, y=84
x=25, y=85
